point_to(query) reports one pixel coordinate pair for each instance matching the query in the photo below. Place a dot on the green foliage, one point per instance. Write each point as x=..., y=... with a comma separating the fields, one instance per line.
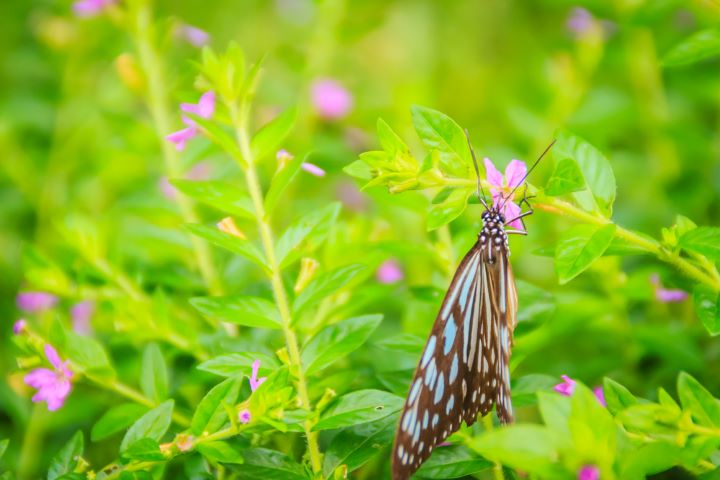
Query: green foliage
x=697, y=47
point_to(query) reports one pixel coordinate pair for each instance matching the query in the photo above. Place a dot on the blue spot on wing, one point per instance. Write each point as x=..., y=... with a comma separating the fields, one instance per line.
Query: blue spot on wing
x=429, y=350
x=450, y=331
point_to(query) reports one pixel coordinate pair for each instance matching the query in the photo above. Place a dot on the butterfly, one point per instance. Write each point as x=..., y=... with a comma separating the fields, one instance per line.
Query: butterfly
x=464, y=369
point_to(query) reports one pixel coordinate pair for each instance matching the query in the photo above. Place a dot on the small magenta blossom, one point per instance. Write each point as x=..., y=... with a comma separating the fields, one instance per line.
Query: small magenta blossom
x=313, y=169
x=600, y=395
x=589, y=472
x=81, y=313
x=667, y=295
x=567, y=387
x=19, y=326
x=244, y=416
x=53, y=386
x=255, y=382
x=194, y=35
x=389, y=272
x=204, y=109
x=330, y=99
x=580, y=21
x=32, y=302
x=501, y=186
x=90, y=8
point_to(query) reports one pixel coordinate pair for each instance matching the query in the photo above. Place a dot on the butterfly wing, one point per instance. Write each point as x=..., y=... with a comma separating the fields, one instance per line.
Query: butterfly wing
x=463, y=370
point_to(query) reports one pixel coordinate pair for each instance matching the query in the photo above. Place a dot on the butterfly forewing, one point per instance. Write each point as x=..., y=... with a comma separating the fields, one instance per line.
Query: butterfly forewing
x=463, y=369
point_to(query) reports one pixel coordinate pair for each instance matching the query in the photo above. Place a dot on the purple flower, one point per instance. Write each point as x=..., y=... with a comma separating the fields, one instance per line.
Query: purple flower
x=255, y=382
x=313, y=169
x=580, y=21
x=667, y=295
x=600, y=395
x=330, y=99
x=389, y=272
x=53, y=386
x=32, y=302
x=204, y=109
x=90, y=8
x=19, y=326
x=567, y=387
x=244, y=416
x=589, y=472
x=195, y=36
x=501, y=186
x=81, y=314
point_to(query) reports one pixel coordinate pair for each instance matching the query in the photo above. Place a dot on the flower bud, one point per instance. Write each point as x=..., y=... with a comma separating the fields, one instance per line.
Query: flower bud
x=227, y=225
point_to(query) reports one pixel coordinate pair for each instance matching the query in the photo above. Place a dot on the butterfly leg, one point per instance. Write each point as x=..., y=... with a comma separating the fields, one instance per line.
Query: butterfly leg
x=530, y=211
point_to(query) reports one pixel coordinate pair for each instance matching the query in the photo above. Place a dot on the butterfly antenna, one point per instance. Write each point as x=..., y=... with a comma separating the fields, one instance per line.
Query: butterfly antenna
x=480, y=189
x=510, y=195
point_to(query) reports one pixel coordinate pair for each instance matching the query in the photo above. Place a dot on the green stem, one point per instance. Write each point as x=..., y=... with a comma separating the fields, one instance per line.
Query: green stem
x=239, y=119
x=27, y=461
x=652, y=246
x=157, y=102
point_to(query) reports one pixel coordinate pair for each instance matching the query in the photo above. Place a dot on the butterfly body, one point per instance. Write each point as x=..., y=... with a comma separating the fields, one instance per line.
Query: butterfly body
x=463, y=370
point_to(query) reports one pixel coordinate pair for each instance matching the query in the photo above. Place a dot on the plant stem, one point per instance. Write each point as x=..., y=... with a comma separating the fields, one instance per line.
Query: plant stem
x=652, y=246
x=157, y=102
x=239, y=119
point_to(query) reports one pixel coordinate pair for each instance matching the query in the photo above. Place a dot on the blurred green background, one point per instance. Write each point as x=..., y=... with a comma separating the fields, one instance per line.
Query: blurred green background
x=77, y=145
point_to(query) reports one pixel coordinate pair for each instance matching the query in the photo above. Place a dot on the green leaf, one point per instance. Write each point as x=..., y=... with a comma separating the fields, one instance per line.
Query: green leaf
x=248, y=311
x=707, y=306
x=153, y=425
x=229, y=242
x=617, y=397
x=566, y=178
x=403, y=342
x=440, y=132
x=210, y=415
x=273, y=134
x=116, y=419
x=358, y=407
x=579, y=248
x=235, y=364
x=3, y=446
x=358, y=169
x=596, y=169
x=699, y=46
x=154, y=374
x=451, y=208
x=325, y=285
x=316, y=222
x=453, y=461
x=280, y=182
x=694, y=397
x=530, y=448
x=219, y=136
x=648, y=459
x=220, y=452
x=221, y=195
x=146, y=449
x=592, y=427
x=66, y=459
x=390, y=141
x=525, y=388
x=337, y=341
x=265, y=464
x=555, y=410
x=702, y=240
x=356, y=445
x=87, y=355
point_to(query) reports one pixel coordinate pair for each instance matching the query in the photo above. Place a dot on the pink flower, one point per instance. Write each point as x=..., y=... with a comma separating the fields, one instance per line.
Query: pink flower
x=283, y=156
x=589, y=472
x=666, y=295
x=580, y=21
x=32, y=302
x=244, y=416
x=389, y=272
x=53, y=385
x=501, y=186
x=81, y=314
x=204, y=109
x=313, y=169
x=330, y=99
x=19, y=326
x=254, y=381
x=600, y=395
x=194, y=36
x=90, y=8
x=567, y=387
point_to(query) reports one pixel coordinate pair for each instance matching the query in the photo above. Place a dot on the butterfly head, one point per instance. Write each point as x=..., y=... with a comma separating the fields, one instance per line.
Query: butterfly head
x=493, y=218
